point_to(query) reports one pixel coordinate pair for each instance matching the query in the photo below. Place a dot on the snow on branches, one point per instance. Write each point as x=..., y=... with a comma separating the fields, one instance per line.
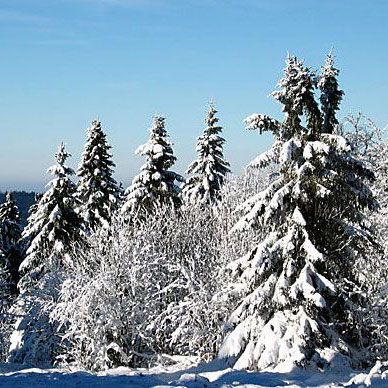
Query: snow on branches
x=209, y=170
x=155, y=185
x=53, y=229
x=97, y=190
x=312, y=216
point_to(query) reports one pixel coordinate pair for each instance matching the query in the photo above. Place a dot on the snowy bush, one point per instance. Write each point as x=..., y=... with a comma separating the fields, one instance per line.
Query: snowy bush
x=158, y=288
x=96, y=309
x=125, y=298
x=373, y=272
x=35, y=339
x=369, y=143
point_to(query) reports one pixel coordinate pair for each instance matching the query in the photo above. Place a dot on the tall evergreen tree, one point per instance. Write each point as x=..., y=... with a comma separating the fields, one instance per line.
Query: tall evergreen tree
x=97, y=190
x=331, y=95
x=209, y=170
x=54, y=227
x=54, y=224
x=155, y=185
x=301, y=299
x=10, y=239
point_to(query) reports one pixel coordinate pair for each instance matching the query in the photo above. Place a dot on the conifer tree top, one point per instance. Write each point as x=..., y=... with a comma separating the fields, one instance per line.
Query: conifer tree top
x=209, y=169
x=331, y=95
x=158, y=149
x=155, y=185
x=296, y=94
x=60, y=169
x=96, y=153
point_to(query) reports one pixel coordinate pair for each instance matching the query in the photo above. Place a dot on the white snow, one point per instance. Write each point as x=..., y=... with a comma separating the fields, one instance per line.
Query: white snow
x=188, y=375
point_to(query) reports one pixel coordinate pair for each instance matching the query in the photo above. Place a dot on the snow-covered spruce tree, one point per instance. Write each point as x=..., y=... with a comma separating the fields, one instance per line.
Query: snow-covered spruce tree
x=10, y=237
x=97, y=190
x=209, y=170
x=155, y=185
x=54, y=223
x=56, y=229
x=300, y=299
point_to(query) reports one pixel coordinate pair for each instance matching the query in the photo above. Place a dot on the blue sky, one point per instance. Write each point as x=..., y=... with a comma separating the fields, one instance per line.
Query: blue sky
x=64, y=62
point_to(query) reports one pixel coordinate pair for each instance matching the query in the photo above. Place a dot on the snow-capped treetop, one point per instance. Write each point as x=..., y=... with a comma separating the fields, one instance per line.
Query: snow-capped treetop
x=313, y=220
x=296, y=94
x=60, y=169
x=54, y=226
x=158, y=149
x=331, y=95
x=97, y=190
x=155, y=185
x=209, y=170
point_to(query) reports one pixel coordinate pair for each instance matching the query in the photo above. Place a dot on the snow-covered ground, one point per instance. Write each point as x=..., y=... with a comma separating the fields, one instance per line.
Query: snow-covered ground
x=182, y=375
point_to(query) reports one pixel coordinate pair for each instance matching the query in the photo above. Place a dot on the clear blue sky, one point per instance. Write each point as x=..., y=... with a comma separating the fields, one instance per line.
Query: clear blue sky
x=64, y=62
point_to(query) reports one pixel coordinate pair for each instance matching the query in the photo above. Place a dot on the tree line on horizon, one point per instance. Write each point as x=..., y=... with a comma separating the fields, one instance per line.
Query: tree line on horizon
x=284, y=265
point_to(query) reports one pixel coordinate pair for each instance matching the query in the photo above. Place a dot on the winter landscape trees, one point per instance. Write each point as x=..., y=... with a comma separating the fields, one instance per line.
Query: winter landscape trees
x=276, y=268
